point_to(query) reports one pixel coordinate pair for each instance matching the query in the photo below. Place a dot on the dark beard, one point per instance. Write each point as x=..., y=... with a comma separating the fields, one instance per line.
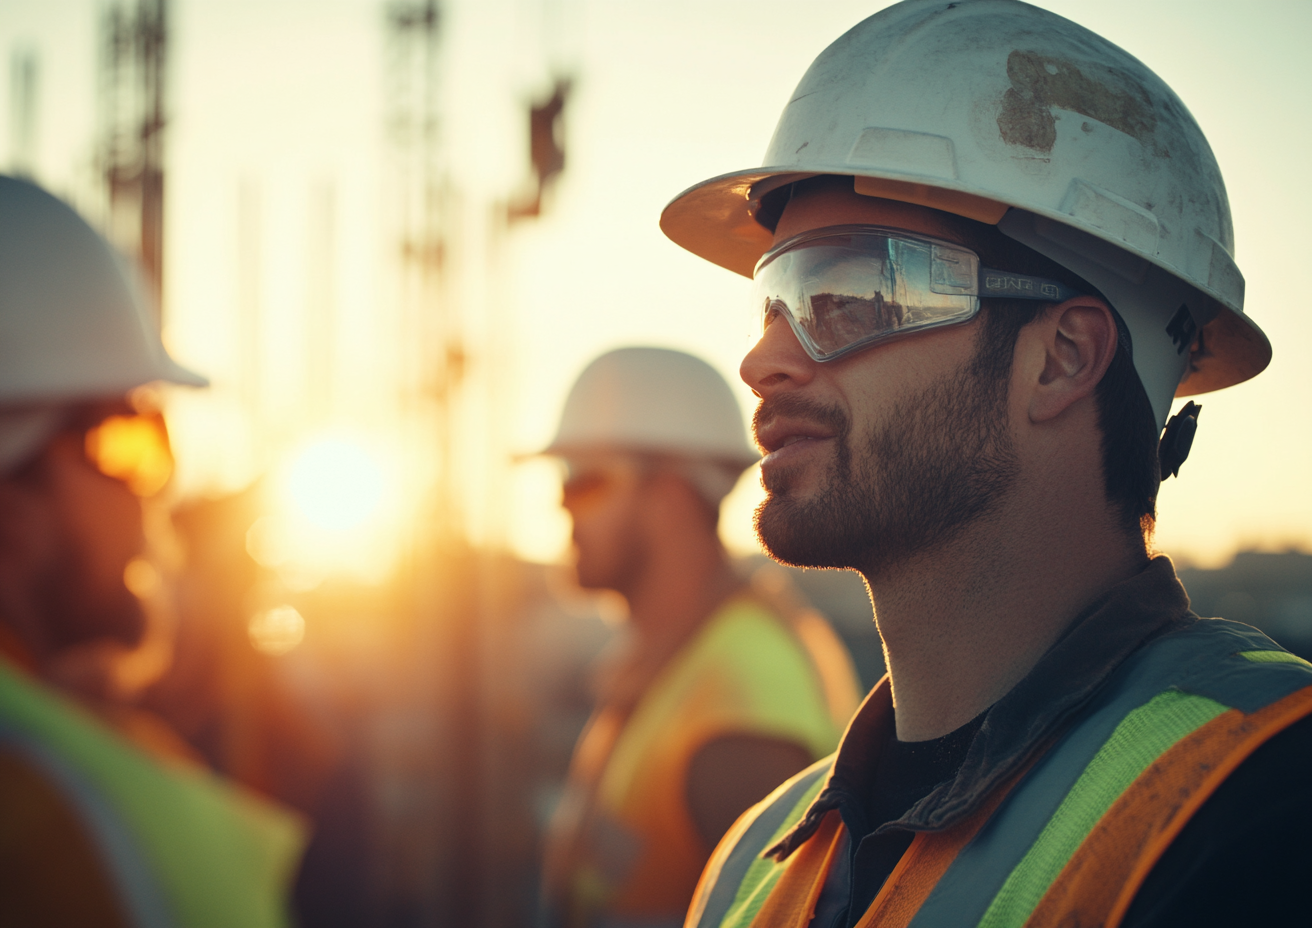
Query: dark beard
x=942, y=460
x=74, y=613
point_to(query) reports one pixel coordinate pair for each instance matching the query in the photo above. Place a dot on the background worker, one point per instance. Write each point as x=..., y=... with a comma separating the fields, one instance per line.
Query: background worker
x=95, y=829
x=721, y=693
x=989, y=248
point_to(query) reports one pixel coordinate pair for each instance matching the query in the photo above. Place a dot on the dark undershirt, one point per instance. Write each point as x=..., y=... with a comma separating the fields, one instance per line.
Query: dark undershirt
x=905, y=773
x=1243, y=859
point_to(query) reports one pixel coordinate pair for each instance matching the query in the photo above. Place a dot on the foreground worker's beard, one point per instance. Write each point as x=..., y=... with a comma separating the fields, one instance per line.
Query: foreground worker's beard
x=75, y=612
x=941, y=459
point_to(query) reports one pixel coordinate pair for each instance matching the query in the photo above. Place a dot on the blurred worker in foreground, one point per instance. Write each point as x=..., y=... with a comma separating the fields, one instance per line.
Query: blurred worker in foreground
x=722, y=692
x=95, y=830
x=989, y=248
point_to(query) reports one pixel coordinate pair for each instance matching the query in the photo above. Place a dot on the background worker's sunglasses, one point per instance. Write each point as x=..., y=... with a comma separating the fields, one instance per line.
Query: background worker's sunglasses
x=589, y=480
x=133, y=448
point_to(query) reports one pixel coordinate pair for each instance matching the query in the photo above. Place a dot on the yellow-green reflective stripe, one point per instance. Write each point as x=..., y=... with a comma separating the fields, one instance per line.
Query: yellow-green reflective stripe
x=1141, y=737
x=765, y=872
x=1274, y=657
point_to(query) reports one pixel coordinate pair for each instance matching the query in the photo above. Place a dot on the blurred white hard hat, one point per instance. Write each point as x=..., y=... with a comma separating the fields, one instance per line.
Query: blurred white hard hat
x=74, y=323
x=654, y=401
x=1010, y=115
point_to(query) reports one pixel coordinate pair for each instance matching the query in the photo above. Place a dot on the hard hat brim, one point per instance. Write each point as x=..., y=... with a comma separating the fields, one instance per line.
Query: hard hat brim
x=176, y=373
x=714, y=221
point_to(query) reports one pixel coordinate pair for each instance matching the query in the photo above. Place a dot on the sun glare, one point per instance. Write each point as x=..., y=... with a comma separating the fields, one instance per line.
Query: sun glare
x=335, y=484
x=277, y=630
x=333, y=508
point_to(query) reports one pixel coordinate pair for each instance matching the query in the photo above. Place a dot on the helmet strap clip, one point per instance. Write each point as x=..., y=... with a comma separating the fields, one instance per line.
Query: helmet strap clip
x=1178, y=439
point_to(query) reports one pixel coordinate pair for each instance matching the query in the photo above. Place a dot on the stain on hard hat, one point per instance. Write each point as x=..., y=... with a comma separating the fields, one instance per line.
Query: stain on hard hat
x=1039, y=83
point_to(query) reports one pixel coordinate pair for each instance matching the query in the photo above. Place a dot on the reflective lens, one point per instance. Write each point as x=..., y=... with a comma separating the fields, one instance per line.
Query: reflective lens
x=842, y=289
x=846, y=287
x=133, y=449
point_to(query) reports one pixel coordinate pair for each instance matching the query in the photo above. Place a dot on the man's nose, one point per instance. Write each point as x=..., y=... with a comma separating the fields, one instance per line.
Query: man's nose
x=777, y=360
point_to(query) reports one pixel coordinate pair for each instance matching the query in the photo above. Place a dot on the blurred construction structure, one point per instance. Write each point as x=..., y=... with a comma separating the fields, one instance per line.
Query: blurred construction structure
x=546, y=150
x=133, y=87
x=1270, y=590
x=24, y=74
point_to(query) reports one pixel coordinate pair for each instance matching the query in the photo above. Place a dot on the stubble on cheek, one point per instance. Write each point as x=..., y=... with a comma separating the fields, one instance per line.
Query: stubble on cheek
x=940, y=459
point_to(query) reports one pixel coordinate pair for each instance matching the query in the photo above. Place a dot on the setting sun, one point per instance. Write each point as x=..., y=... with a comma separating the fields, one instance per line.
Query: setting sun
x=335, y=484
x=331, y=508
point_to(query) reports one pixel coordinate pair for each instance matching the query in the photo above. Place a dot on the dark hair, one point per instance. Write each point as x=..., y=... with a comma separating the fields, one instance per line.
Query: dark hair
x=1129, y=428
x=1125, y=417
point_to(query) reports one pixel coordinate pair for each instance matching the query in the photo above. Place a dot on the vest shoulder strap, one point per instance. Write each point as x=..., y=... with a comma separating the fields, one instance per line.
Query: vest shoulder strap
x=1102, y=877
x=737, y=879
x=1181, y=714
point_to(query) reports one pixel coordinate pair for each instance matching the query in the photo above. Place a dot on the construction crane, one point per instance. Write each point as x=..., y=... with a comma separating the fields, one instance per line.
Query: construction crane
x=133, y=70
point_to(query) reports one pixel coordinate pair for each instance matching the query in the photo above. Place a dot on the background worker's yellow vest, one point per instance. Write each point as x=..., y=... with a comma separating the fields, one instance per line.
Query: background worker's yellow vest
x=1068, y=842
x=182, y=847
x=624, y=843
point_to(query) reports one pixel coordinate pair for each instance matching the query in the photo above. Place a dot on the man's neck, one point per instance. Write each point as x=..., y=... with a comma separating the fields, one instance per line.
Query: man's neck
x=682, y=584
x=965, y=623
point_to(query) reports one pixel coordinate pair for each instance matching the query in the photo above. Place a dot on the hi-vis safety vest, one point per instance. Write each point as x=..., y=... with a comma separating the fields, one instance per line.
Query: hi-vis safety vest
x=1070, y=839
x=624, y=848
x=182, y=848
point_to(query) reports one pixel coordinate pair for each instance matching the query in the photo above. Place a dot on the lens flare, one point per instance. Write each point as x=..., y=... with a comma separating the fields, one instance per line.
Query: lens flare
x=134, y=449
x=335, y=484
x=277, y=630
x=141, y=578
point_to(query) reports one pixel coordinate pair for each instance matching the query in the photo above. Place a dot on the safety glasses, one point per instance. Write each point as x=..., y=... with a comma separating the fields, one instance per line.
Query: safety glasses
x=589, y=480
x=133, y=448
x=844, y=288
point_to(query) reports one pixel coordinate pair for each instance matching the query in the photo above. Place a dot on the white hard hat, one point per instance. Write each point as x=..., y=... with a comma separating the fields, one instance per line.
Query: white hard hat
x=657, y=401
x=74, y=324
x=1008, y=114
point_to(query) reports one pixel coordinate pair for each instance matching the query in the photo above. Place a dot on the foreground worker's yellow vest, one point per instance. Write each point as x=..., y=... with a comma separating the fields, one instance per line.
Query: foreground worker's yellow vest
x=630, y=850
x=1071, y=838
x=182, y=847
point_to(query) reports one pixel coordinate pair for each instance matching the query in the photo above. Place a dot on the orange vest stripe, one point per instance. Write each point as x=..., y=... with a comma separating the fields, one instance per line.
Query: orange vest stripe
x=1100, y=881
x=792, y=901
x=926, y=860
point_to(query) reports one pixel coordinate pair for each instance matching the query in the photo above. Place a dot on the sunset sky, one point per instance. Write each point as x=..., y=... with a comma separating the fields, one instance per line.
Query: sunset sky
x=277, y=139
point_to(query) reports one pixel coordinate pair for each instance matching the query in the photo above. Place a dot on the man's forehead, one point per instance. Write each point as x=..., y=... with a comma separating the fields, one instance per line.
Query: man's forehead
x=833, y=202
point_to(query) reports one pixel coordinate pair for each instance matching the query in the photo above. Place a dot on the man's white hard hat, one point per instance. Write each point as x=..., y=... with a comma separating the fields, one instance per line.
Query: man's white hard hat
x=653, y=401
x=1011, y=115
x=74, y=322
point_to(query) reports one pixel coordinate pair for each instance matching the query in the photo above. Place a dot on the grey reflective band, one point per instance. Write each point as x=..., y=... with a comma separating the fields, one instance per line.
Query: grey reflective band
x=1004, y=285
x=1010, y=286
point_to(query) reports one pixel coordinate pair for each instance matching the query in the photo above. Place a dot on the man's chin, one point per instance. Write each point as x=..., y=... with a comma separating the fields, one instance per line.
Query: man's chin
x=793, y=533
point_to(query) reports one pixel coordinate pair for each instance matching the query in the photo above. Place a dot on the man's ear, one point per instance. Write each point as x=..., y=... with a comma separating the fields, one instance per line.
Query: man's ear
x=1073, y=344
